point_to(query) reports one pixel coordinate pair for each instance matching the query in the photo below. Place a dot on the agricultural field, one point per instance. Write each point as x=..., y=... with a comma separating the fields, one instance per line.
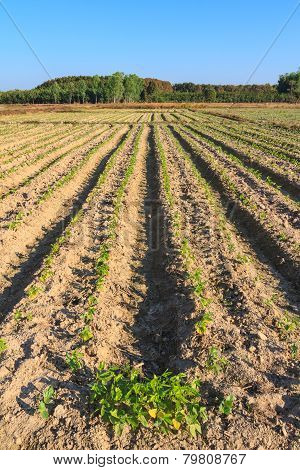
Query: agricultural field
x=149, y=278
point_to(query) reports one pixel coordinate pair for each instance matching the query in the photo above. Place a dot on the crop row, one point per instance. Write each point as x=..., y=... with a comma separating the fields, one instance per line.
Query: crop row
x=56, y=159
x=62, y=181
x=246, y=205
x=46, y=273
x=281, y=180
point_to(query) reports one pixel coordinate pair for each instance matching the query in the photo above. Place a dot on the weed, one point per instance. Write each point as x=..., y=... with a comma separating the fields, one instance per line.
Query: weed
x=226, y=405
x=215, y=362
x=166, y=402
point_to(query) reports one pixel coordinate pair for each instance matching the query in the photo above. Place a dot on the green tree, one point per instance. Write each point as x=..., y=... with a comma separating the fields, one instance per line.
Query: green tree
x=81, y=90
x=115, y=87
x=133, y=87
x=289, y=83
x=209, y=93
x=55, y=91
x=95, y=86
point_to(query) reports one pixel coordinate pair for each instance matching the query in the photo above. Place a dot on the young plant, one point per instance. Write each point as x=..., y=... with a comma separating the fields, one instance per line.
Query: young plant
x=286, y=325
x=294, y=350
x=226, y=405
x=89, y=314
x=33, y=291
x=201, y=325
x=3, y=346
x=86, y=334
x=48, y=397
x=215, y=362
x=167, y=402
x=74, y=360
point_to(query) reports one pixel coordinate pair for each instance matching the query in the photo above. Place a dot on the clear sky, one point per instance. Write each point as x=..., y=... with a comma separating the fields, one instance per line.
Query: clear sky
x=202, y=41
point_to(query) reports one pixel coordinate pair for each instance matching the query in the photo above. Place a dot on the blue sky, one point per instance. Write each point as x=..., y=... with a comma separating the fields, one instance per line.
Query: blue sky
x=203, y=41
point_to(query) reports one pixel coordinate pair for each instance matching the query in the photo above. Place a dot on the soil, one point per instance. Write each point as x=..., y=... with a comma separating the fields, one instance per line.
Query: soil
x=146, y=310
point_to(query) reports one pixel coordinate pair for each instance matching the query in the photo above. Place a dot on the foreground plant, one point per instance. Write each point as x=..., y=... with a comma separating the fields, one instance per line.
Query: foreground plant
x=201, y=325
x=3, y=346
x=215, y=361
x=168, y=402
x=86, y=334
x=48, y=397
x=287, y=325
x=226, y=405
x=74, y=360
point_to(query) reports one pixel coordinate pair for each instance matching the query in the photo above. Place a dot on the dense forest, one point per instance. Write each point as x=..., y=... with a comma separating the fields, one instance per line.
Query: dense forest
x=119, y=87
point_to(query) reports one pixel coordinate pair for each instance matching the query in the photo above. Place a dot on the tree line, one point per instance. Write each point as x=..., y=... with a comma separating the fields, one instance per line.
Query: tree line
x=119, y=87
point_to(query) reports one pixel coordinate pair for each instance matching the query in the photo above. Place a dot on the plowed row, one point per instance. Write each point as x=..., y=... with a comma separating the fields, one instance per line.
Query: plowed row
x=123, y=231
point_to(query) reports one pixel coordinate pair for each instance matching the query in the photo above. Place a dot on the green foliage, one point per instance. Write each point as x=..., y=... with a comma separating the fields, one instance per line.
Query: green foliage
x=166, y=402
x=243, y=259
x=201, y=325
x=3, y=346
x=48, y=397
x=20, y=316
x=89, y=314
x=17, y=220
x=86, y=334
x=294, y=350
x=74, y=360
x=215, y=362
x=287, y=325
x=119, y=87
x=33, y=291
x=226, y=405
x=102, y=266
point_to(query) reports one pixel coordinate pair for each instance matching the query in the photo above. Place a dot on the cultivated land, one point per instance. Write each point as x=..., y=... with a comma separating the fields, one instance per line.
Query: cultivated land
x=163, y=238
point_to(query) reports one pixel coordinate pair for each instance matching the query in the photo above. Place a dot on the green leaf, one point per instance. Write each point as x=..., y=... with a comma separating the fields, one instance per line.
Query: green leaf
x=43, y=410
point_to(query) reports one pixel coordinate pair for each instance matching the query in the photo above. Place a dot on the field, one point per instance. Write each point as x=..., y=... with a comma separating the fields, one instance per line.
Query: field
x=147, y=240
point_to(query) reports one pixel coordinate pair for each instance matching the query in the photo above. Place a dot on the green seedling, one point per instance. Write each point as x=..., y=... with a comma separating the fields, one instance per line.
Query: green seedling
x=201, y=325
x=18, y=219
x=3, y=346
x=243, y=259
x=89, y=314
x=102, y=267
x=48, y=397
x=226, y=405
x=45, y=274
x=270, y=301
x=74, y=360
x=33, y=291
x=215, y=362
x=286, y=325
x=18, y=316
x=262, y=215
x=282, y=237
x=86, y=334
x=294, y=350
x=125, y=398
